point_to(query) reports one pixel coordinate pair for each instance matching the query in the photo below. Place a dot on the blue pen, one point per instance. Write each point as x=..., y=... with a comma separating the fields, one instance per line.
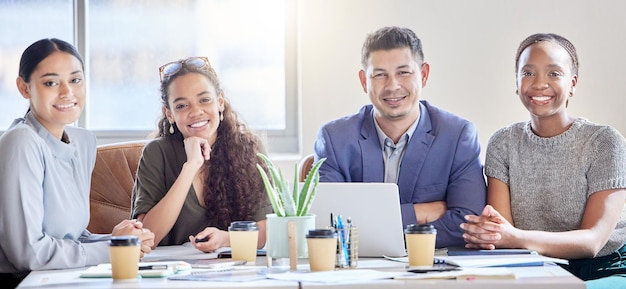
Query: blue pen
x=349, y=220
x=344, y=247
x=349, y=243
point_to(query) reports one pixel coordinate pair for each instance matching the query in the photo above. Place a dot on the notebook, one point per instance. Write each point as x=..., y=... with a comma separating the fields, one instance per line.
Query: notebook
x=145, y=269
x=373, y=207
x=462, y=251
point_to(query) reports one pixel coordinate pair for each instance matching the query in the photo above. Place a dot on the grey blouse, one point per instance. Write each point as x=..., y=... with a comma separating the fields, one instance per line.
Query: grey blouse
x=44, y=199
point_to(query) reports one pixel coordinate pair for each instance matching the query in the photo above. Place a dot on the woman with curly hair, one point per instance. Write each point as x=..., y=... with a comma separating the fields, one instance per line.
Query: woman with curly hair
x=199, y=174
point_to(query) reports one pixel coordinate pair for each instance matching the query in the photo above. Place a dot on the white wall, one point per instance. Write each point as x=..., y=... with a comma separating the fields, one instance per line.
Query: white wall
x=470, y=45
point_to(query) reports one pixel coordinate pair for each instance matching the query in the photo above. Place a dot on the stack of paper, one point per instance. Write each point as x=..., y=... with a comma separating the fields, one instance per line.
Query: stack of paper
x=463, y=274
x=461, y=251
x=226, y=275
x=492, y=260
x=164, y=269
x=514, y=260
x=337, y=276
x=185, y=251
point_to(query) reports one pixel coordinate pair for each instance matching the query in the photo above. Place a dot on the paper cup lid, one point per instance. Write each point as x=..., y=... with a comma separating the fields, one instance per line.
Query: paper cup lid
x=321, y=233
x=243, y=226
x=124, y=241
x=420, y=229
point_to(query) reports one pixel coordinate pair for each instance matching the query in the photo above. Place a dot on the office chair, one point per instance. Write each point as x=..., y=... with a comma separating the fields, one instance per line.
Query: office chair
x=304, y=166
x=112, y=183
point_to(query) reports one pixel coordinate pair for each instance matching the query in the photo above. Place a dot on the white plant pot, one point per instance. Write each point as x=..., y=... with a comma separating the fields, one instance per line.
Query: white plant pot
x=278, y=238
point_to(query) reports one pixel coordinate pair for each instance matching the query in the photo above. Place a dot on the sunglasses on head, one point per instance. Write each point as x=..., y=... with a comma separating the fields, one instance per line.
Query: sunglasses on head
x=172, y=68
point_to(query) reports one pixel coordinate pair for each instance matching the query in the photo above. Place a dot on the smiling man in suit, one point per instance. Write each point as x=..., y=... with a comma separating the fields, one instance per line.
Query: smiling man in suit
x=432, y=155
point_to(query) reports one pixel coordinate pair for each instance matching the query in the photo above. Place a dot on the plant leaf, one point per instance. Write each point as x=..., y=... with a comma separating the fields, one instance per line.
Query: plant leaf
x=307, y=193
x=287, y=200
x=311, y=197
x=283, y=194
x=286, y=195
x=271, y=193
x=296, y=192
x=278, y=187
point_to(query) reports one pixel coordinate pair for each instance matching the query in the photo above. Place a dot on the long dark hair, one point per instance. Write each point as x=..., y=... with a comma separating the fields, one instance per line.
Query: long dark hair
x=38, y=51
x=233, y=189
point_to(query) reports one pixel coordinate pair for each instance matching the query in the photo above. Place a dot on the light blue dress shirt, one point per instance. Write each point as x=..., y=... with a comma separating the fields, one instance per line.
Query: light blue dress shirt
x=393, y=152
x=44, y=199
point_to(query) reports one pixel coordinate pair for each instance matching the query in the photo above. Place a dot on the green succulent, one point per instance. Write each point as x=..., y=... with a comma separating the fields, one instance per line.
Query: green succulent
x=287, y=200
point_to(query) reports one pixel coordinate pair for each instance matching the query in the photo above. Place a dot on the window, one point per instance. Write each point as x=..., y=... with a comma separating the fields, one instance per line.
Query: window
x=124, y=42
x=21, y=24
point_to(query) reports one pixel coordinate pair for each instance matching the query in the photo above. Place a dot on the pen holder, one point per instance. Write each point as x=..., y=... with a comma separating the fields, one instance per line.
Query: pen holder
x=347, y=248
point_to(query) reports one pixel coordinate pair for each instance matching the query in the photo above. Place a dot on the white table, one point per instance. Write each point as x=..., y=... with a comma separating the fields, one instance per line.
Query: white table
x=528, y=277
x=548, y=277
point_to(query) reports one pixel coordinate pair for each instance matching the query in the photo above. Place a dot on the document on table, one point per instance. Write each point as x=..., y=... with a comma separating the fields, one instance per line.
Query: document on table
x=227, y=275
x=513, y=260
x=335, y=276
x=500, y=260
x=180, y=252
x=462, y=251
x=463, y=274
x=161, y=269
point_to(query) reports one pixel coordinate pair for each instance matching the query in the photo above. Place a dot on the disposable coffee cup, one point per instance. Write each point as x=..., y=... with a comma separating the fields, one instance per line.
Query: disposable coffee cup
x=244, y=236
x=322, y=247
x=124, y=253
x=420, y=244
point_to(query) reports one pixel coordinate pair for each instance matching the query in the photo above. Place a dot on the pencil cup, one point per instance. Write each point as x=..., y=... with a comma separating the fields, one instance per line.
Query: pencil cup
x=322, y=244
x=420, y=244
x=244, y=236
x=124, y=252
x=347, y=252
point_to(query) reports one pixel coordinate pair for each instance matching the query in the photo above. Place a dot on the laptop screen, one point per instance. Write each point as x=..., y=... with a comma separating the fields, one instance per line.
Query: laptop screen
x=373, y=207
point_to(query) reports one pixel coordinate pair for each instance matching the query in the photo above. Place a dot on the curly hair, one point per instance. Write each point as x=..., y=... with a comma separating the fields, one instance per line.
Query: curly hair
x=233, y=188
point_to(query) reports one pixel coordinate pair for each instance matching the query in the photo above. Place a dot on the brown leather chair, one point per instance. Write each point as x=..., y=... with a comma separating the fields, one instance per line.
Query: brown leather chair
x=305, y=166
x=112, y=183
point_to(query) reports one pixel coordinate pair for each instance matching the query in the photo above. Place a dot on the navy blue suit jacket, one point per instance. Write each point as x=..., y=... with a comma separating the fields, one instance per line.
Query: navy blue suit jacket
x=441, y=163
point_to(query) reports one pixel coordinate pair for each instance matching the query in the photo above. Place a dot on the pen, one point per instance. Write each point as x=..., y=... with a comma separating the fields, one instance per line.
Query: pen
x=153, y=267
x=349, y=242
x=342, y=240
x=200, y=240
x=349, y=220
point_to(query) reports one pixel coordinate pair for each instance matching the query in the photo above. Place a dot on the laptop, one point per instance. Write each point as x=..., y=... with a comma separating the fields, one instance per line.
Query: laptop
x=373, y=207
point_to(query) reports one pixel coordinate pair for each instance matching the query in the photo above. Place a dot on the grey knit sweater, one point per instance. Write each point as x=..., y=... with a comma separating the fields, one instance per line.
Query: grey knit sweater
x=550, y=179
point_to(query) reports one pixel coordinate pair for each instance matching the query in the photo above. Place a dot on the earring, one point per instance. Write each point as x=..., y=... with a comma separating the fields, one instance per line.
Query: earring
x=171, y=128
x=221, y=115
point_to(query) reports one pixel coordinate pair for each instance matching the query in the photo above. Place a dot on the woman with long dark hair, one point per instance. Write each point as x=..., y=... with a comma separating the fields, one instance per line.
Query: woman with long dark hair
x=45, y=172
x=199, y=174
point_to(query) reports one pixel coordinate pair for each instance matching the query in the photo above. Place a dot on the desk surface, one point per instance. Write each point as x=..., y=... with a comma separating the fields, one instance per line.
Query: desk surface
x=528, y=277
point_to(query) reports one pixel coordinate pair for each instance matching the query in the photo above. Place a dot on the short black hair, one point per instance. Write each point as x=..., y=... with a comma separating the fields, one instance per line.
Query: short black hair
x=392, y=37
x=558, y=39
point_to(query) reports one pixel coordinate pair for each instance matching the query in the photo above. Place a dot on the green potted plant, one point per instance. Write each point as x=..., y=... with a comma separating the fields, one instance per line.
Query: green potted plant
x=291, y=202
